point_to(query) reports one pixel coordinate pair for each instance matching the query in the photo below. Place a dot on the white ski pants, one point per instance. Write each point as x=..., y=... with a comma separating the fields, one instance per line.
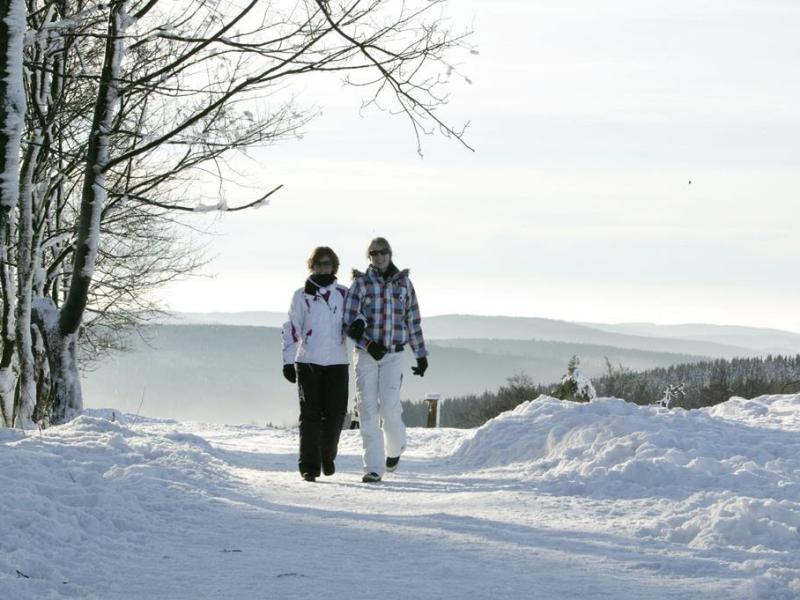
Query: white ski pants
x=378, y=397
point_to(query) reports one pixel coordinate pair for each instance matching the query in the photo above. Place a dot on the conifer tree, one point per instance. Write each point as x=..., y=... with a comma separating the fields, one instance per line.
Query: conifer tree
x=575, y=386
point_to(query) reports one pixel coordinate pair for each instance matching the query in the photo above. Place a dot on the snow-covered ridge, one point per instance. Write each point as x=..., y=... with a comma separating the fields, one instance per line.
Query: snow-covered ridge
x=722, y=476
x=610, y=447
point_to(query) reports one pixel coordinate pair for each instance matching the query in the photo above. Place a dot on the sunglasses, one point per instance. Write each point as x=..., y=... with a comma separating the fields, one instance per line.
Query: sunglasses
x=322, y=263
x=383, y=252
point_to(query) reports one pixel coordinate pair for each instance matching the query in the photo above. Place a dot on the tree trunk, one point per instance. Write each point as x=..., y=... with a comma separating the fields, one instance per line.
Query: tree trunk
x=67, y=399
x=44, y=401
x=12, y=112
x=8, y=342
x=12, y=103
x=64, y=400
x=26, y=400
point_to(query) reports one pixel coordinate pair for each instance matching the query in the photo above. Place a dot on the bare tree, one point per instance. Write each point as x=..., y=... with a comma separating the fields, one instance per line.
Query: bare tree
x=129, y=103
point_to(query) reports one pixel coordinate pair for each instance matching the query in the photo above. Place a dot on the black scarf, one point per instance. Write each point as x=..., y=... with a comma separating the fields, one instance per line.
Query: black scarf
x=317, y=281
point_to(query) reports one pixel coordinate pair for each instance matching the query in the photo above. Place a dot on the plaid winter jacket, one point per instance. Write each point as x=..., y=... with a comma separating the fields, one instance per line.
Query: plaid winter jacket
x=389, y=308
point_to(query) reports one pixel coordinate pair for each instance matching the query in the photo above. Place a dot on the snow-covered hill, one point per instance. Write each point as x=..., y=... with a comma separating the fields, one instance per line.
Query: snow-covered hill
x=552, y=500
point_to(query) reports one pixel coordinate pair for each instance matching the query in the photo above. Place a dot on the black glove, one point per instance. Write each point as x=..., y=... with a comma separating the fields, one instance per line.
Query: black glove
x=290, y=373
x=422, y=366
x=356, y=329
x=376, y=350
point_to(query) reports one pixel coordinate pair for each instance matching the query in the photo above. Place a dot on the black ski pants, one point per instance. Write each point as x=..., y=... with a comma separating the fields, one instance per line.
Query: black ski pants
x=323, y=404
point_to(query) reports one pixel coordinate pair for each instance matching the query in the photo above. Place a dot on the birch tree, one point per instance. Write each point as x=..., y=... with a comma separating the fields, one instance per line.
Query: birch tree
x=12, y=113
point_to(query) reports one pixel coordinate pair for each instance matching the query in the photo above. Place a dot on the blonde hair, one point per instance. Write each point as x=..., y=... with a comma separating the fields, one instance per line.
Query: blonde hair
x=382, y=241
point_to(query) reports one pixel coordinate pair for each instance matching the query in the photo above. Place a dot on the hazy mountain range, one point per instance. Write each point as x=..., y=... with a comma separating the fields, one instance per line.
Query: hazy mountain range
x=710, y=340
x=226, y=367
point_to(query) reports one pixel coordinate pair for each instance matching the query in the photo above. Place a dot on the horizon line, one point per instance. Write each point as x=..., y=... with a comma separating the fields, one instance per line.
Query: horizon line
x=495, y=315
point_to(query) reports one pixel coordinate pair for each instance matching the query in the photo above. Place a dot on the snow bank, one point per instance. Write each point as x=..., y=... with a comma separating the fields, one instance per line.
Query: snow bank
x=723, y=478
x=774, y=412
x=88, y=489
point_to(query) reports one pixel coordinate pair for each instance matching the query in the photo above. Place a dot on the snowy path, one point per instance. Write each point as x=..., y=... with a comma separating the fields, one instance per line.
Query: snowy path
x=177, y=510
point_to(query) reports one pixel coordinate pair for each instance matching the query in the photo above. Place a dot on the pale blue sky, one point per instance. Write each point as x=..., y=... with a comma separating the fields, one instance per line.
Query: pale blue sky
x=588, y=119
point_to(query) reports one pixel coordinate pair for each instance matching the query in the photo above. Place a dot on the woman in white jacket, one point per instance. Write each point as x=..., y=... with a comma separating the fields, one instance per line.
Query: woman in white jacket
x=315, y=356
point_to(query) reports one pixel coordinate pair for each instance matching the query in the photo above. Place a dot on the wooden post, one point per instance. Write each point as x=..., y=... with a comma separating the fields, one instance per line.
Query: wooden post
x=432, y=400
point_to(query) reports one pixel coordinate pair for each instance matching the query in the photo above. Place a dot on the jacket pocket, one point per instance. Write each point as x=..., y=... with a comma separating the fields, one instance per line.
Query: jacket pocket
x=399, y=299
x=370, y=307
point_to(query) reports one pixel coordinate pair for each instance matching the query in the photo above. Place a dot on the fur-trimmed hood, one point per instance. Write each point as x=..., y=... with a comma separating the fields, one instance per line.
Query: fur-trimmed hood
x=394, y=273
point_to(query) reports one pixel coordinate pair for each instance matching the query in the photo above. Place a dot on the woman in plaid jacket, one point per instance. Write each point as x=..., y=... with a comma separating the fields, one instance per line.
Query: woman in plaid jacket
x=382, y=315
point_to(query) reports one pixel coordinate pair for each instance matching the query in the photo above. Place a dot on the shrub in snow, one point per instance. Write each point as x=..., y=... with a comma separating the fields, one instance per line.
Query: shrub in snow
x=674, y=395
x=575, y=385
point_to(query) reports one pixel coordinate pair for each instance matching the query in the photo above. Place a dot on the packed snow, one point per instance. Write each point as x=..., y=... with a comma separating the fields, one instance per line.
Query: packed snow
x=554, y=499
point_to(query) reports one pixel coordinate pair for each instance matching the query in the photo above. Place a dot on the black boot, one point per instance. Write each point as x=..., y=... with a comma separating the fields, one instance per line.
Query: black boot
x=391, y=463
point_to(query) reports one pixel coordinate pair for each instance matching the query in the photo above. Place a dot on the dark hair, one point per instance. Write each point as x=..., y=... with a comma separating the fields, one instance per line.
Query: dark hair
x=382, y=241
x=321, y=252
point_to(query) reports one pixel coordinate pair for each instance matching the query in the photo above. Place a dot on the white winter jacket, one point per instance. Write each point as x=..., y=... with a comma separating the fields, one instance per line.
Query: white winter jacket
x=314, y=332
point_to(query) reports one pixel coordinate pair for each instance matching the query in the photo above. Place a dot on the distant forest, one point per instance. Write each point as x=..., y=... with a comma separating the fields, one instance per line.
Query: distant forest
x=693, y=385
